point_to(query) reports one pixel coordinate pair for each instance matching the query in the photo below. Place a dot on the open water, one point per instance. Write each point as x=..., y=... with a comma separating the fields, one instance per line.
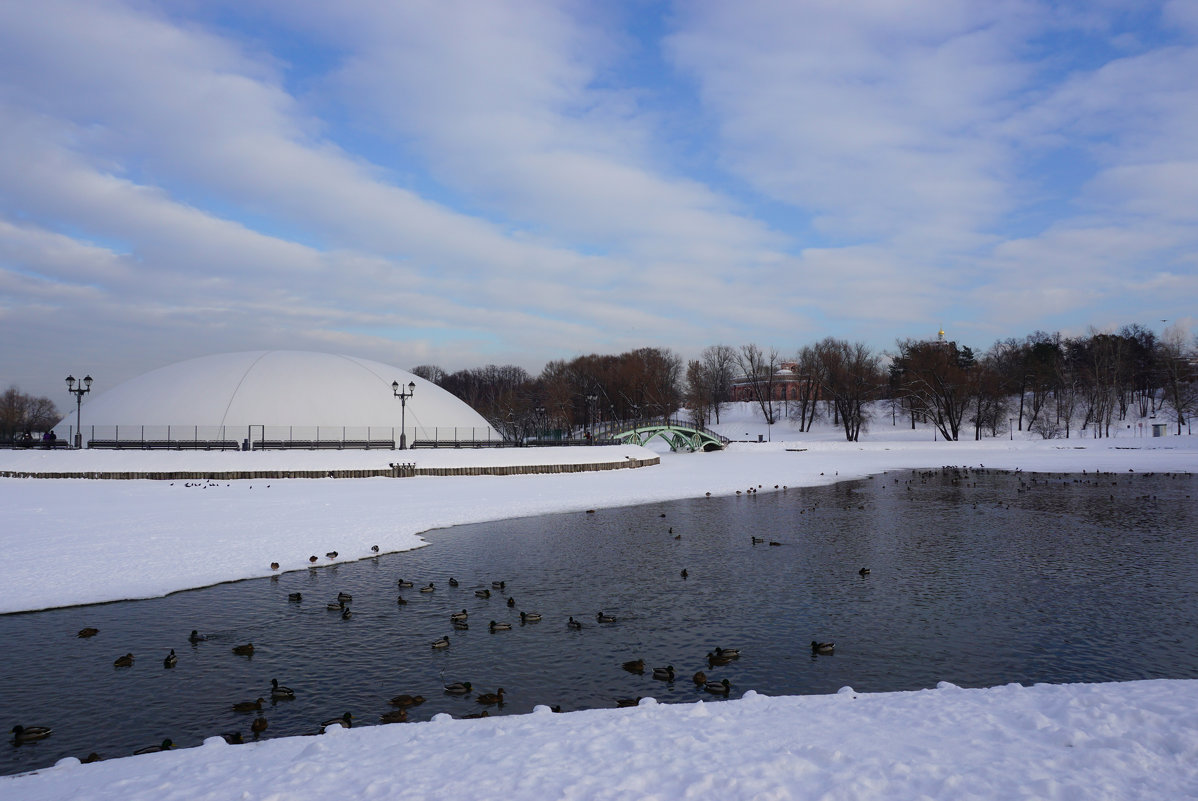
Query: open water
x=975, y=578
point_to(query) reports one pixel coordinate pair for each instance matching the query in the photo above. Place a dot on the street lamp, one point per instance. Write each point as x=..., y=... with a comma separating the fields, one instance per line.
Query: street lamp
x=403, y=409
x=84, y=387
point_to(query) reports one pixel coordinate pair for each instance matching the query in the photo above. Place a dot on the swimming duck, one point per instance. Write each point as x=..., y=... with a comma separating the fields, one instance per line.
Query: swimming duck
x=664, y=674
x=713, y=660
x=498, y=585
x=441, y=643
x=171, y=660
x=453, y=582
x=602, y=618
x=123, y=661
x=344, y=597
x=295, y=597
x=429, y=588
x=491, y=698
x=259, y=725
x=195, y=637
x=530, y=617
x=21, y=734
x=233, y=738
x=346, y=614
x=249, y=706
x=279, y=692
x=407, y=700
x=684, y=574
x=401, y=600
x=345, y=721
x=165, y=745
x=394, y=716
x=625, y=702
x=863, y=571
x=699, y=678
x=634, y=665
x=511, y=601
x=459, y=615
x=459, y=625
x=483, y=593
x=458, y=688
x=500, y=626
x=822, y=647
x=476, y=715
x=730, y=653
x=722, y=687
x=244, y=650
x=335, y=606
x=572, y=623
x=756, y=540
x=88, y=632
x=403, y=584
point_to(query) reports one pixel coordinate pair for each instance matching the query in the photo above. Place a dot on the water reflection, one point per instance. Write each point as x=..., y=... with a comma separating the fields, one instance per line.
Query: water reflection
x=978, y=579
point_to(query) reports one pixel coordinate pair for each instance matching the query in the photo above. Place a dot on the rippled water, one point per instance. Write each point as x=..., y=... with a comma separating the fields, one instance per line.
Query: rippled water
x=978, y=579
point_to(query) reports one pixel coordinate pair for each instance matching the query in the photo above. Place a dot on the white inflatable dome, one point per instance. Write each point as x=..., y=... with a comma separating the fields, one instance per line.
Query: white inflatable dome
x=276, y=395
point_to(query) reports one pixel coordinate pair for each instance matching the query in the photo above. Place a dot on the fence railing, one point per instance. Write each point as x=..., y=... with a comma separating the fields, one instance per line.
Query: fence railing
x=264, y=437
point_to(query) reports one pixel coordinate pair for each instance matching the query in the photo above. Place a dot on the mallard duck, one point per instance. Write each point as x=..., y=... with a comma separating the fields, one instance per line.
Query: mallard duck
x=625, y=702
x=713, y=660
x=346, y=614
x=453, y=582
x=511, y=601
x=530, y=617
x=572, y=623
x=822, y=647
x=259, y=725
x=401, y=600
x=407, y=700
x=345, y=721
x=249, y=706
x=756, y=540
x=279, y=692
x=312, y=559
x=722, y=687
x=244, y=650
x=664, y=674
x=463, y=615
x=331, y=554
x=476, y=715
x=170, y=660
x=374, y=549
x=295, y=597
x=458, y=688
x=500, y=626
x=684, y=574
x=602, y=618
x=441, y=643
x=498, y=585
x=394, y=716
x=491, y=698
x=165, y=745
x=429, y=588
x=344, y=597
x=460, y=625
x=730, y=653
x=699, y=678
x=863, y=571
x=195, y=637
x=335, y=606
x=634, y=665
x=21, y=734
x=404, y=584
x=274, y=565
x=88, y=632
x=233, y=738
x=123, y=661
x=483, y=593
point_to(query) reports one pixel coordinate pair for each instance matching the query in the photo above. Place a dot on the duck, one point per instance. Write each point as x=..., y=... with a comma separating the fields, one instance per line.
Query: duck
x=344, y=597
x=863, y=571
x=171, y=660
x=572, y=623
x=249, y=706
x=458, y=688
x=259, y=725
x=195, y=637
x=21, y=734
x=602, y=618
x=441, y=643
x=476, y=715
x=483, y=593
x=459, y=625
x=664, y=674
x=165, y=745
x=404, y=584
x=500, y=626
x=491, y=698
x=88, y=632
x=511, y=601
x=346, y=614
x=244, y=650
x=530, y=617
x=429, y=588
x=233, y=738
x=394, y=716
x=822, y=647
x=699, y=678
x=756, y=540
x=407, y=700
x=279, y=692
x=400, y=600
x=721, y=687
x=463, y=615
x=335, y=606
x=730, y=653
x=123, y=661
x=634, y=665
x=453, y=582
x=713, y=660
x=626, y=702
x=295, y=597
x=498, y=585
x=312, y=559
x=345, y=721
x=684, y=574
x=274, y=565
x=331, y=554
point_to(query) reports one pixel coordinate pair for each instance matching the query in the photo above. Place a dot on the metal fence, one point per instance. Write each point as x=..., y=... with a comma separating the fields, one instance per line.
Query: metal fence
x=264, y=437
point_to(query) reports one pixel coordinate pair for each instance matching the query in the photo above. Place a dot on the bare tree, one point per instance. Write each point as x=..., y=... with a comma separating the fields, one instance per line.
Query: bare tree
x=719, y=362
x=760, y=370
x=851, y=377
x=1180, y=378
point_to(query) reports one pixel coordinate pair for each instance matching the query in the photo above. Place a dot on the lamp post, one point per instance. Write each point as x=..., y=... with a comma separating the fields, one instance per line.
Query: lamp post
x=403, y=410
x=84, y=387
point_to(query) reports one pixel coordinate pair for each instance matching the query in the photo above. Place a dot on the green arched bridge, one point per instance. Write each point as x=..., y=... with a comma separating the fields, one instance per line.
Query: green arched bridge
x=680, y=435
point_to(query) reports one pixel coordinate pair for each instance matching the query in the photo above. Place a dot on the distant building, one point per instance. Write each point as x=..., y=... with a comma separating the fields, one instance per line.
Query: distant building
x=788, y=384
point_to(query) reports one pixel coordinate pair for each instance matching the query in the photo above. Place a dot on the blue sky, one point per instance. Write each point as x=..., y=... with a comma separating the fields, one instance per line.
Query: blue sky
x=464, y=183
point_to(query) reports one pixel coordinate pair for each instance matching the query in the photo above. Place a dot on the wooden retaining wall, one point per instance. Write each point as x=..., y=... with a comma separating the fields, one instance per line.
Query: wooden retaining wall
x=398, y=470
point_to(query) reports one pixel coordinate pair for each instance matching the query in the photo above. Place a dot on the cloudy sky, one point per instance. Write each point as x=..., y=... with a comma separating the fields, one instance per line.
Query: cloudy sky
x=462, y=183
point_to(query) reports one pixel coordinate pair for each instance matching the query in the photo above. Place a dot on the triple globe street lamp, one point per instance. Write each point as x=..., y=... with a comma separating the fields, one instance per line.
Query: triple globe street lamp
x=398, y=392
x=85, y=386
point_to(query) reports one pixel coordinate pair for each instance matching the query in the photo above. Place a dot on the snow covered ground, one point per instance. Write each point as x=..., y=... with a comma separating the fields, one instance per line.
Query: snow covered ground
x=79, y=541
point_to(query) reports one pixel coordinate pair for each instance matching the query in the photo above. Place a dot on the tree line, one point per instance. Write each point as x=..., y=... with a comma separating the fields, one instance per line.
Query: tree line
x=21, y=413
x=1046, y=383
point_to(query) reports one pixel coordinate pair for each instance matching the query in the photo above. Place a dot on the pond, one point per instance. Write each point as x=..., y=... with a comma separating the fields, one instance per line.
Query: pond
x=978, y=578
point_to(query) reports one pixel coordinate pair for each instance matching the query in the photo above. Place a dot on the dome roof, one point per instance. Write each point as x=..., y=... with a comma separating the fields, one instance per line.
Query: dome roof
x=276, y=389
